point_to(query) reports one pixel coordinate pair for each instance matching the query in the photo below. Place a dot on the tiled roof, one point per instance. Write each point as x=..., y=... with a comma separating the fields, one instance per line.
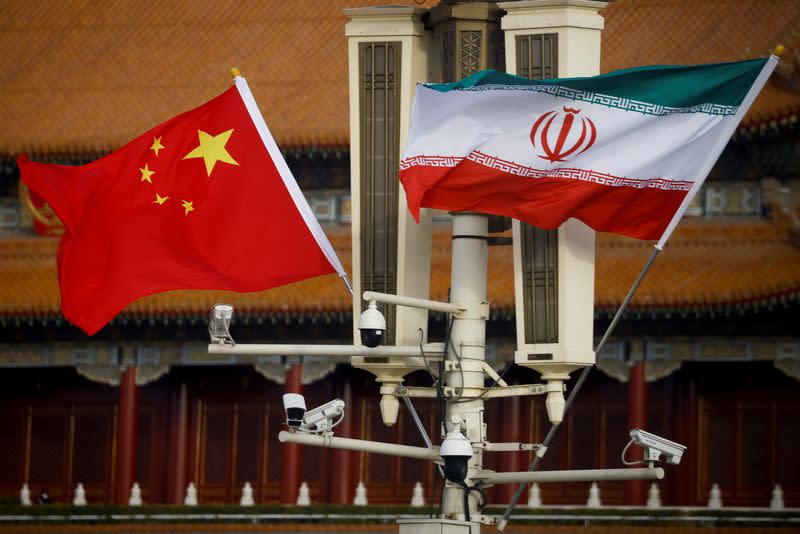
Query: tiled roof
x=86, y=77
x=80, y=76
x=646, y=32
x=706, y=266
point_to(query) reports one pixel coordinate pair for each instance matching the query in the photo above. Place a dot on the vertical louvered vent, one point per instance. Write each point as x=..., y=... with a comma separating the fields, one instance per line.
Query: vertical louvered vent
x=379, y=69
x=537, y=58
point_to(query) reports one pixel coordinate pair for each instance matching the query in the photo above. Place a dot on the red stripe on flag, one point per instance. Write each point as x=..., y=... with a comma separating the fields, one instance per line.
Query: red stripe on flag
x=642, y=213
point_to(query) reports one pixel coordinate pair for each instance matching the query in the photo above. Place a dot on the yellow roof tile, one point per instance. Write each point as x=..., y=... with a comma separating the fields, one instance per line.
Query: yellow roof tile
x=647, y=32
x=86, y=77
x=79, y=76
x=705, y=264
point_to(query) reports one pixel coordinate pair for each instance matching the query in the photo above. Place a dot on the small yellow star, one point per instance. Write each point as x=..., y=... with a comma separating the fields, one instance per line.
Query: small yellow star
x=146, y=174
x=212, y=150
x=187, y=206
x=156, y=145
x=160, y=200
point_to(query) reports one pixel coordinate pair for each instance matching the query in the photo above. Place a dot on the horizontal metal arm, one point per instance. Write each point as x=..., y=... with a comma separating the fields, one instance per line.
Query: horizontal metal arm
x=509, y=446
x=435, y=349
x=425, y=304
x=391, y=449
x=582, y=475
x=415, y=391
x=515, y=391
x=486, y=393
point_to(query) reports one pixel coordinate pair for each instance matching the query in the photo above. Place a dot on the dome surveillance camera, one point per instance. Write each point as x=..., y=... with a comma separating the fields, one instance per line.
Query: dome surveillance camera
x=372, y=325
x=456, y=450
x=295, y=406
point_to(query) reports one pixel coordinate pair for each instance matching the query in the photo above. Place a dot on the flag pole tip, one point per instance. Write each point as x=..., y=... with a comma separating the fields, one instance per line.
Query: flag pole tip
x=779, y=50
x=235, y=72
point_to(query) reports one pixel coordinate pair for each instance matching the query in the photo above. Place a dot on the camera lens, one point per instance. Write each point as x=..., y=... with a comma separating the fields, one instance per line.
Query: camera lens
x=455, y=468
x=371, y=337
x=294, y=416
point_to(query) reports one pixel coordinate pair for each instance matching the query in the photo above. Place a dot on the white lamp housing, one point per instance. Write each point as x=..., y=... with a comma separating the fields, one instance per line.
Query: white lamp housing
x=383, y=230
x=571, y=306
x=574, y=27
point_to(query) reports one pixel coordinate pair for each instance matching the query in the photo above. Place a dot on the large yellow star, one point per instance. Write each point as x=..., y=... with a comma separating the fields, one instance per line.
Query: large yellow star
x=212, y=149
x=146, y=174
x=187, y=205
x=157, y=145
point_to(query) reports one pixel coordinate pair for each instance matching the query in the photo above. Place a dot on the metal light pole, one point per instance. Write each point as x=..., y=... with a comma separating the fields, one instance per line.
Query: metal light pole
x=466, y=352
x=463, y=388
x=390, y=49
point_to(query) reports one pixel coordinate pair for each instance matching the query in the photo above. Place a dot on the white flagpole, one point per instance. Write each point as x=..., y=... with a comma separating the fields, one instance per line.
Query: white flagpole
x=714, y=153
x=288, y=178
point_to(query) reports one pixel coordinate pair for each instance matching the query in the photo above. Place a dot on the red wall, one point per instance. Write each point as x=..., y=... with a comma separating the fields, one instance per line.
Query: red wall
x=739, y=421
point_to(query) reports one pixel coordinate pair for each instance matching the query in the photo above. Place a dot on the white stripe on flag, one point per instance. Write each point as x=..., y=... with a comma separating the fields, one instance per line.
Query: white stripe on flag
x=628, y=144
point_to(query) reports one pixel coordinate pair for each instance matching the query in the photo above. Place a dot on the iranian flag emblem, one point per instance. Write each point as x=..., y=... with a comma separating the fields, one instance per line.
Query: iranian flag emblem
x=563, y=145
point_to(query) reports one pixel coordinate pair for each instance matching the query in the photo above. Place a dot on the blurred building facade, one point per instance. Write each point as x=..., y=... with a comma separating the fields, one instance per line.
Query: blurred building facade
x=715, y=321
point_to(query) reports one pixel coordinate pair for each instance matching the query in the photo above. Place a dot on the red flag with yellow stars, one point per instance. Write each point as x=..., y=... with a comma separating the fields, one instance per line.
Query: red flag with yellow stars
x=202, y=201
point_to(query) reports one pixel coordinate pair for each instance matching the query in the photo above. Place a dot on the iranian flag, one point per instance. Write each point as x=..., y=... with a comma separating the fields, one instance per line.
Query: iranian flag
x=624, y=152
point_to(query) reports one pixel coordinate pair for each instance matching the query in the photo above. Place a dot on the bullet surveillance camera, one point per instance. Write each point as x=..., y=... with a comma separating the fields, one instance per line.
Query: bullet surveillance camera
x=654, y=446
x=456, y=450
x=372, y=325
x=295, y=406
x=320, y=420
x=323, y=418
x=219, y=324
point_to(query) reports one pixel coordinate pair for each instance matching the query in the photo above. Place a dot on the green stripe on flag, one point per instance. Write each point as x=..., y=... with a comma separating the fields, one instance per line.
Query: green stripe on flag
x=716, y=88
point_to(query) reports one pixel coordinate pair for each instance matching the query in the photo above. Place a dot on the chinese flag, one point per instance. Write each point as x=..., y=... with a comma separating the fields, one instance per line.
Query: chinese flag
x=202, y=201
